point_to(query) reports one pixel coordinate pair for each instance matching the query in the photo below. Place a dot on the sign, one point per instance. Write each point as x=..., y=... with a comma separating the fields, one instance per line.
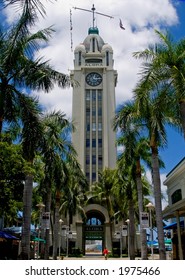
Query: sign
x=45, y=220
x=94, y=228
x=117, y=234
x=144, y=220
x=124, y=231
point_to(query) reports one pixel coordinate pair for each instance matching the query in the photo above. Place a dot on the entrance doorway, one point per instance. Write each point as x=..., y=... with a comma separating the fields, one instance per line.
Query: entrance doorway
x=94, y=233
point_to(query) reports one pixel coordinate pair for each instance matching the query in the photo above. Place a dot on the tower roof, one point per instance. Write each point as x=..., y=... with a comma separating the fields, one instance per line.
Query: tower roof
x=93, y=30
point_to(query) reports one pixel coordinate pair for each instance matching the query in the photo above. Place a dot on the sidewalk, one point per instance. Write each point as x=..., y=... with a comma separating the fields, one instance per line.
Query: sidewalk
x=100, y=257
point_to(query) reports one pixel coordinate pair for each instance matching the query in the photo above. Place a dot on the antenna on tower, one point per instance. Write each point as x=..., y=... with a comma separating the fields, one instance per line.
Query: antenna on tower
x=93, y=13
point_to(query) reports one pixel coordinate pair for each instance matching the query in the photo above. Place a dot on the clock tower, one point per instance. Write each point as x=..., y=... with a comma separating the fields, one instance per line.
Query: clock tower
x=94, y=105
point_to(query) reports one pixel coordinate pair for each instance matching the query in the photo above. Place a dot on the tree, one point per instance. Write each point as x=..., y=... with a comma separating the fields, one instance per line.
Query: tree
x=19, y=71
x=56, y=149
x=101, y=191
x=154, y=113
x=135, y=149
x=165, y=62
x=12, y=166
x=73, y=193
x=125, y=193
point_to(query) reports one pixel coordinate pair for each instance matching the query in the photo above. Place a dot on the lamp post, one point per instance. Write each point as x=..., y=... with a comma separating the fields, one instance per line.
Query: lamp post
x=67, y=241
x=40, y=206
x=121, y=242
x=128, y=222
x=151, y=207
x=60, y=223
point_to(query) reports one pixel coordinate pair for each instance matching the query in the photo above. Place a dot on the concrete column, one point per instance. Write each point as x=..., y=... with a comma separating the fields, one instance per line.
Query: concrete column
x=179, y=236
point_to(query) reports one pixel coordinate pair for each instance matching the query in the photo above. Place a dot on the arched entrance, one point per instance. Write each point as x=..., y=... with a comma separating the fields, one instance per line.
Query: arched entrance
x=94, y=232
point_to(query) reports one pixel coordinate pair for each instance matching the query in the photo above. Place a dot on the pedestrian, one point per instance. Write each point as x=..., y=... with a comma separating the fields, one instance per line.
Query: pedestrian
x=105, y=253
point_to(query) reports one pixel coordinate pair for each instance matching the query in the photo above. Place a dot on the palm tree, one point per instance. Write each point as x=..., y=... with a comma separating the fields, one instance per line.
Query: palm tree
x=125, y=193
x=165, y=62
x=56, y=149
x=101, y=191
x=20, y=70
x=154, y=113
x=73, y=193
x=30, y=7
x=135, y=149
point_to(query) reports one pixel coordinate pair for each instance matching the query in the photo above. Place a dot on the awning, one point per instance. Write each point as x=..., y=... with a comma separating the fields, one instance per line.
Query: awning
x=6, y=235
x=174, y=225
x=38, y=239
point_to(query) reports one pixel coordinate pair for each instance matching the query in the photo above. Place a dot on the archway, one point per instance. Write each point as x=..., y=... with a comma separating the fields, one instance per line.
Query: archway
x=94, y=233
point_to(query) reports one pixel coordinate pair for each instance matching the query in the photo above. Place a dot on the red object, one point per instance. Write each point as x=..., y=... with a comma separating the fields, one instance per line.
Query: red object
x=105, y=251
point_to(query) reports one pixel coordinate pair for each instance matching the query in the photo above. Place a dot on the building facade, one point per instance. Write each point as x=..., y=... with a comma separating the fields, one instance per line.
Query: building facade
x=175, y=182
x=94, y=105
x=94, y=81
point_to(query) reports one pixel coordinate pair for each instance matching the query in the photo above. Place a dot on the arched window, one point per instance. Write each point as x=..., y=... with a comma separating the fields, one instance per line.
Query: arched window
x=93, y=222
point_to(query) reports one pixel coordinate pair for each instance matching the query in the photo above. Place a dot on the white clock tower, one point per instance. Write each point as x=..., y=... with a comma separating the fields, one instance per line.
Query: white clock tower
x=94, y=105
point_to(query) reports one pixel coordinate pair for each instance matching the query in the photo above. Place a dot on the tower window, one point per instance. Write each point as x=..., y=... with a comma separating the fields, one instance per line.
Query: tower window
x=88, y=126
x=87, y=142
x=93, y=143
x=93, y=95
x=100, y=160
x=80, y=58
x=100, y=126
x=99, y=143
x=87, y=95
x=93, y=126
x=93, y=176
x=99, y=111
x=93, y=44
x=87, y=159
x=87, y=111
x=107, y=58
x=93, y=159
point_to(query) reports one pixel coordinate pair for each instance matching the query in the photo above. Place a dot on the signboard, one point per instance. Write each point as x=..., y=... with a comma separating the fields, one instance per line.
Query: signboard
x=144, y=220
x=94, y=228
x=117, y=235
x=45, y=220
x=124, y=231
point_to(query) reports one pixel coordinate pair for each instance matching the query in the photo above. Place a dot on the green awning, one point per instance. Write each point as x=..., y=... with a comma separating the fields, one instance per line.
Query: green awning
x=36, y=239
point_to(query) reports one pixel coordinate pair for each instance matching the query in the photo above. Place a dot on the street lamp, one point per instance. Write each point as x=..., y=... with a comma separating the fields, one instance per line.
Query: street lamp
x=67, y=240
x=40, y=206
x=60, y=223
x=151, y=207
x=121, y=242
x=128, y=222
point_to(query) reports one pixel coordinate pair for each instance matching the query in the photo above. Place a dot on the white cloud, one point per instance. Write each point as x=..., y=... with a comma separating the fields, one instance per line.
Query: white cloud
x=140, y=18
x=163, y=189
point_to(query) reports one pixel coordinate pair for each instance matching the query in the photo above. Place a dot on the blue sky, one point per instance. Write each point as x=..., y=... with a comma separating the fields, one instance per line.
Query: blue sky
x=176, y=143
x=139, y=17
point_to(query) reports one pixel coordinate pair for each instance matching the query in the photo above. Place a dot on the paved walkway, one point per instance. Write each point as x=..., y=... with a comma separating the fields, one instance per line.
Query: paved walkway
x=100, y=257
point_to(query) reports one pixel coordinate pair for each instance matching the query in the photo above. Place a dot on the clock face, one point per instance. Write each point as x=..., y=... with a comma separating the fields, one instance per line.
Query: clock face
x=93, y=79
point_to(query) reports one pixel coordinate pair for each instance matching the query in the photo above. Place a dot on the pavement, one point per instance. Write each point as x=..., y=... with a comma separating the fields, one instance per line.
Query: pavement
x=100, y=257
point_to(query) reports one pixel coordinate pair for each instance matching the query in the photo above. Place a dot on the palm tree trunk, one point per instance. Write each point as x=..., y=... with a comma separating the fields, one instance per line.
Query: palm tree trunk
x=27, y=205
x=143, y=237
x=48, y=207
x=56, y=227
x=158, y=203
x=131, y=230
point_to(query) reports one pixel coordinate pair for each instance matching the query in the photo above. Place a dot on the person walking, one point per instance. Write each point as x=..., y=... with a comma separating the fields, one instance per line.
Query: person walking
x=105, y=253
